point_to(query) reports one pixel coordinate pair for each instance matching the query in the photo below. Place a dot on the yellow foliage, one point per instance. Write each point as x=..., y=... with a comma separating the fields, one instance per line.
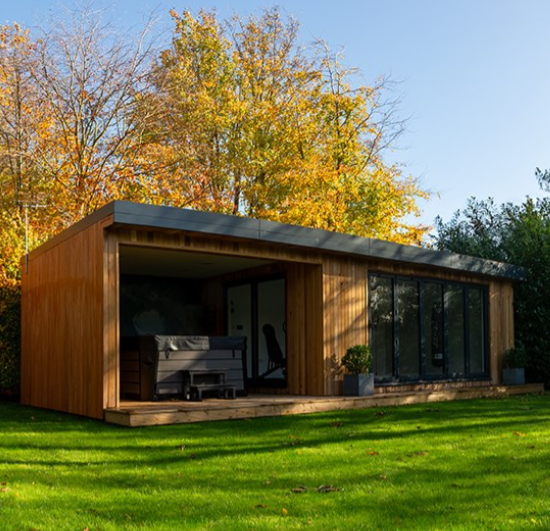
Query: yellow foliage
x=234, y=117
x=253, y=126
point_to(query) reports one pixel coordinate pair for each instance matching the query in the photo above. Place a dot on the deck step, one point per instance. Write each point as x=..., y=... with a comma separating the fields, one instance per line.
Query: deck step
x=179, y=412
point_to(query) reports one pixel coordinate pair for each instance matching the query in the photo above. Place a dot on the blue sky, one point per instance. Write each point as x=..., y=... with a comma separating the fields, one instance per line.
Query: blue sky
x=474, y=80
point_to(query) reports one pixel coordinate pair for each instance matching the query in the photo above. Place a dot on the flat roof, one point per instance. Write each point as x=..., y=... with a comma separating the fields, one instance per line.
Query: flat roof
x=164, y=217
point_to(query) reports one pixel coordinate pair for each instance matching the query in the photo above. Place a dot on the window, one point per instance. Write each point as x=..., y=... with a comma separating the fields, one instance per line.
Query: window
x=422, y=329
x=477, y=331
x=456, y=355
x=408, y=336
x=433, y=332
x=382, y=325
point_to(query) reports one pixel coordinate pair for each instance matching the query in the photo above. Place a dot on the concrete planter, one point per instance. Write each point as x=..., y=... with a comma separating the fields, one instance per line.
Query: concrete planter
x=358, y=384
x=513, y=376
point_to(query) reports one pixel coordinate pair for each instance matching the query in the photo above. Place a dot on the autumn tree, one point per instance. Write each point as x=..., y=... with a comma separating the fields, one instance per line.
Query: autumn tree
x=23, y=121
x=91, y=75
x=255, y=124
x=69, y=134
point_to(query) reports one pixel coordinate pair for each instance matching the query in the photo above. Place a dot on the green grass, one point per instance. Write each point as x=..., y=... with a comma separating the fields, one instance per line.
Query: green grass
x=475, y=465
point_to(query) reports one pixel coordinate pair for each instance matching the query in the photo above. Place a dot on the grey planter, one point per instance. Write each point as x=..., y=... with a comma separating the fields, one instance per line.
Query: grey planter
x=513, y=376
x=358, y=384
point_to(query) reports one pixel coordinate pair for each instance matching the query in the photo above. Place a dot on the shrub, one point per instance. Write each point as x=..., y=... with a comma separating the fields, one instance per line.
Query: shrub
x=516, y=358
x=10, y=339
x=358, y=359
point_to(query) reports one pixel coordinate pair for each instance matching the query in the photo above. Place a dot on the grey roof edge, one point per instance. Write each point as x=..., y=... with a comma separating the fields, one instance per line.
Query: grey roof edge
x=165, y=217
x=129, y=213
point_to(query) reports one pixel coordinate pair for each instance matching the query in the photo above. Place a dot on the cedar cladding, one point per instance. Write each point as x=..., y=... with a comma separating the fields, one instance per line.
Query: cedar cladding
x=70, y=339
x=62, y=323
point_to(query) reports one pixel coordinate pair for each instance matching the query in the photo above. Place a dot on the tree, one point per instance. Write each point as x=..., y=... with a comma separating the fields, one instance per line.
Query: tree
x=91, y=74
x=254, y=125
x=69, y=130
x=518, y=234
x=24, y=122
x=68, y=137
x=233, y=117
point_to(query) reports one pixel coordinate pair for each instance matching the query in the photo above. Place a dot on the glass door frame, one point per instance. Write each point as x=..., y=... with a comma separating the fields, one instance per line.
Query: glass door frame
x=253, y=343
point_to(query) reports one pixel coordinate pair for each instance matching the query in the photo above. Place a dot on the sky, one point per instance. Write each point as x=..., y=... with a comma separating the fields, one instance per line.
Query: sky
x=473, y=80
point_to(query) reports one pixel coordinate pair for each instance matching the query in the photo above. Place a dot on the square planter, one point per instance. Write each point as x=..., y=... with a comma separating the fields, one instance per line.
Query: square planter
x=513, y=376
x=358, y=384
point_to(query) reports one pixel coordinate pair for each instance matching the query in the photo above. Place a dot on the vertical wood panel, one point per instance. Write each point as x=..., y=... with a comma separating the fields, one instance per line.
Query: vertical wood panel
x=216, y=245
x=304, y=329
x=62, y=326
x=296, y=336
x=313, y=376
x=501, y=324
x=111, y=335
x=344, y=313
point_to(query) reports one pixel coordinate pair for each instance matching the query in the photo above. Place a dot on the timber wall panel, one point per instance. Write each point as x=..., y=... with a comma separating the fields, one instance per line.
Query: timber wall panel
x=62, y=324
x=344, y=314
x=111, y=322
x=501, y=325
x=215, y=245
x=304, y=329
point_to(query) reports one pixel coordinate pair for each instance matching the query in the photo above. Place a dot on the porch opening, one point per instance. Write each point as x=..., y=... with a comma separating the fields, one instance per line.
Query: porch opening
x=195, y=294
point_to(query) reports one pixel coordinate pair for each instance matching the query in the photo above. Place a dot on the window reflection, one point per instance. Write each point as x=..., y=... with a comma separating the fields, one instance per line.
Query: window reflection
x=433, y=328
x=409, y=331
x=476, y=318
x=382, y=323
x=456, y=341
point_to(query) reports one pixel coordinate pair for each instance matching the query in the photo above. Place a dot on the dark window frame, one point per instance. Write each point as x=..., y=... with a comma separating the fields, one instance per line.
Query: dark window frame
x=446, y=374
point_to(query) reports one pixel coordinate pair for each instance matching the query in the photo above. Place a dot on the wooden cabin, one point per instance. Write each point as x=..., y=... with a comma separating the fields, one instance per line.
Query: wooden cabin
x=433, y=319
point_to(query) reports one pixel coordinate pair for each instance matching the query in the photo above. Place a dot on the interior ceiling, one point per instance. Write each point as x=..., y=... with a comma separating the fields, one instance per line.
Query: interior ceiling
x=180, y=264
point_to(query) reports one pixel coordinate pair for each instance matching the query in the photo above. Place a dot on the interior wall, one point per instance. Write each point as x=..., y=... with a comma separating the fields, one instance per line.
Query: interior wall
x=158, y=305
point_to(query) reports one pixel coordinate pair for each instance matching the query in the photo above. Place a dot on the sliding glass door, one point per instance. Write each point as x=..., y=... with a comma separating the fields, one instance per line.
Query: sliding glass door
x=424, y=329
x=257, y=310
x=408, y=331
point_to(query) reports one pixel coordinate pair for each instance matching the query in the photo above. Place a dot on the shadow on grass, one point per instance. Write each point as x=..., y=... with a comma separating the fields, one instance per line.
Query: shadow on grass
x=162, y=444
x=436, y=463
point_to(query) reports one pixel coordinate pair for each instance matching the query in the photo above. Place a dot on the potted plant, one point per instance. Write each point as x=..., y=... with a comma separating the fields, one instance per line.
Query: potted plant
x=515, y=360
x=358, y=361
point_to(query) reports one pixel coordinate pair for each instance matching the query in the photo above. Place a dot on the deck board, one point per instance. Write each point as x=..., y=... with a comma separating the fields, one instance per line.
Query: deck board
x=135, y=413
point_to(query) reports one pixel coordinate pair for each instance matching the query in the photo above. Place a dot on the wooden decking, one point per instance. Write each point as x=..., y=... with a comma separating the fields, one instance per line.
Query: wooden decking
x=134, y=413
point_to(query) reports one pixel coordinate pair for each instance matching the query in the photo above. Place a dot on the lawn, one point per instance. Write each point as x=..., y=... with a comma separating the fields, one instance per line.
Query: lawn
x=476, y=465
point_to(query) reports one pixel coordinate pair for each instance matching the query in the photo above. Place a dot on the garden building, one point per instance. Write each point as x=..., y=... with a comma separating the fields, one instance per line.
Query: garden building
x=300, y=296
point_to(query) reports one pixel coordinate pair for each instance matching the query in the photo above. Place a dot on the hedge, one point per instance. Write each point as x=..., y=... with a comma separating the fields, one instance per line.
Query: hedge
x=10, y=340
